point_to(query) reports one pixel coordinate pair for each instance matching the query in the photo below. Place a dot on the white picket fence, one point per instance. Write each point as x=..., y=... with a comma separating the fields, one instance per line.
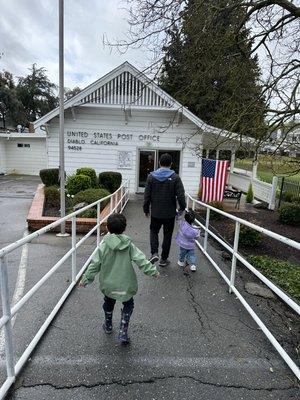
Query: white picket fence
x=262, y=190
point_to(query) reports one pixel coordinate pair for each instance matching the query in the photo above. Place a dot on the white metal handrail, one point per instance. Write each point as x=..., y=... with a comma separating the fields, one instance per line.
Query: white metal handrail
x=118, y=201
x=237, y=256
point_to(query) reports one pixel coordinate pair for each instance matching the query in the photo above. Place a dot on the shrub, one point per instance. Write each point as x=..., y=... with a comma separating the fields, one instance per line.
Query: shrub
x=220, y=206
x=50, y=177
x=249, y=237
x=282, y=273
x=110, y=180
x=52, y=196
x=91, y=213
x=250, y=194
x=289, y=214
x=88, y=172
x=89, y=196
x=77, y=183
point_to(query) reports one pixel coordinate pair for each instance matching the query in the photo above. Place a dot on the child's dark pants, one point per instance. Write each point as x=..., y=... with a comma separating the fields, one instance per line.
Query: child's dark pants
x=109, y=305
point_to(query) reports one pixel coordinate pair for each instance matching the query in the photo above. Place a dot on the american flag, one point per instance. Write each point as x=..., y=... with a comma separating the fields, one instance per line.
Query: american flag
x=213, y=180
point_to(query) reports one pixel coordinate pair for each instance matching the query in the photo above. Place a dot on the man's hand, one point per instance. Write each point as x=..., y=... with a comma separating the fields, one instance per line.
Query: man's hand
x=157, y=275
x=147, y=215
x=80, y=284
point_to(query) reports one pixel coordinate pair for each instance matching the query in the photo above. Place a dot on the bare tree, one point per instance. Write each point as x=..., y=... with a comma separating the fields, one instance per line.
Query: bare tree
x=275, y=31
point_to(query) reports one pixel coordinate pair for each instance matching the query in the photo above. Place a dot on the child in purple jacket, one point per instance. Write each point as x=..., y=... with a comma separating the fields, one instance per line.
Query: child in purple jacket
x=187, y=233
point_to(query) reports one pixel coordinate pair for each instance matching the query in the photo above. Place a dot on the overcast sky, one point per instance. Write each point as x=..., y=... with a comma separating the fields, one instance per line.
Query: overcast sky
x=29, y=34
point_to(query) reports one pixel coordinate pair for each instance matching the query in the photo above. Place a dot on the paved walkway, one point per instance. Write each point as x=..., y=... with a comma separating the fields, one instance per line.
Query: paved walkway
x=190, y=340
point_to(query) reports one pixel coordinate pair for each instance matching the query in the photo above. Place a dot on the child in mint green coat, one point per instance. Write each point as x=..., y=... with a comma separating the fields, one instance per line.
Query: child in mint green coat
x=118, y=282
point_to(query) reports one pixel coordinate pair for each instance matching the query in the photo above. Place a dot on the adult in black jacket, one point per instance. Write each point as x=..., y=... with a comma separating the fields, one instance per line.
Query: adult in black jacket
x=163, y=190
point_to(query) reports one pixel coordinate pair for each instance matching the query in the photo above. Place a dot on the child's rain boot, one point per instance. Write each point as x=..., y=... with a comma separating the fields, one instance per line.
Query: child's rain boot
x=123, y=333
x=107, y=326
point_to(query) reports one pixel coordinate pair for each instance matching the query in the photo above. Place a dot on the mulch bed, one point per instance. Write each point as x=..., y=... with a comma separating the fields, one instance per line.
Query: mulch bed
x=270, y=247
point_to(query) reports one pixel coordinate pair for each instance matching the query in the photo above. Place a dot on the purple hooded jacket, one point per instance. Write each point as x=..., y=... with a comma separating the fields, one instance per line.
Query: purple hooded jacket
x=186, y=235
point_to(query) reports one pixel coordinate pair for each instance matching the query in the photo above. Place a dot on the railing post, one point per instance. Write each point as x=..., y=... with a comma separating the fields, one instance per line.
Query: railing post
x=74, y=249
x=235, y=249
x=9, y=352
x=98, y=223
x=187, y=201
x=193, y=205
x=121, y=200
x=206, y=226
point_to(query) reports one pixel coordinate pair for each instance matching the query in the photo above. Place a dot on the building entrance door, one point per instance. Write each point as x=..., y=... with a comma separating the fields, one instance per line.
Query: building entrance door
x=148, y=162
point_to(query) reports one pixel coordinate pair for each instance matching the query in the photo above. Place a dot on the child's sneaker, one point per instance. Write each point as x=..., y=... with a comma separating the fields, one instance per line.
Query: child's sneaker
x=193, y=268
x=181, y=263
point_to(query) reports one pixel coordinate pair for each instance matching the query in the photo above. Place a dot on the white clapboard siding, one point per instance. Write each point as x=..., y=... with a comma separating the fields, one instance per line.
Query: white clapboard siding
x=26, y=160
x=92, y=120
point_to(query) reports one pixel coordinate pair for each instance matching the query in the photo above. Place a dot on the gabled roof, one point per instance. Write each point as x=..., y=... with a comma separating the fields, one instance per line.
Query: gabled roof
x=127, y=86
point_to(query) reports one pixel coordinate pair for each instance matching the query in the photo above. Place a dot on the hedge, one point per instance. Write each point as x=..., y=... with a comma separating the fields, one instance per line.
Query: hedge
x=77, y=183
x=52, y=196
x=110, y=180
x=289, y=214
x=50, y=176
x=88, y=172
x=90, y=213
x=89, y=196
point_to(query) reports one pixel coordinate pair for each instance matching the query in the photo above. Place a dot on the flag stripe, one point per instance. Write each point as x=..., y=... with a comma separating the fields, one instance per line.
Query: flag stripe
x=214, y=175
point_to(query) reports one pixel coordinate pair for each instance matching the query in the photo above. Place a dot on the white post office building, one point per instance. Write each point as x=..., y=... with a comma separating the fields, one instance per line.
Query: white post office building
x=122, y=122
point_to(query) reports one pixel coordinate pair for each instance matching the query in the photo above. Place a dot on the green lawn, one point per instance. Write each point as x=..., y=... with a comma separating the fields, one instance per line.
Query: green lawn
x=268, y=167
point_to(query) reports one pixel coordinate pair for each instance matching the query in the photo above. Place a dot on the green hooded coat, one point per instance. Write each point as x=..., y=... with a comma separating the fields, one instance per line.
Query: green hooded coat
x=113, y=261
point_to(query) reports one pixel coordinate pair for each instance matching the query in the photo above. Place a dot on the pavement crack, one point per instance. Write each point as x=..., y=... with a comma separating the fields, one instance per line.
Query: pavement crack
x=194, y=303
x=155, y=379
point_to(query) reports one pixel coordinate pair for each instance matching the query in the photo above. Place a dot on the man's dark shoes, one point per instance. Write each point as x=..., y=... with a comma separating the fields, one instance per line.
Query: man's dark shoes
x=154, y=258
x=164, y=263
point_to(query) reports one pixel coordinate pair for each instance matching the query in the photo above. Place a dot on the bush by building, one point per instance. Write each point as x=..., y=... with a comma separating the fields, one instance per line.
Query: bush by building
x=88, y=172
x=90, y=213
x=52, y=196
x=50, y=176
x=89, y=196
x=110, y=180
x=77, y=183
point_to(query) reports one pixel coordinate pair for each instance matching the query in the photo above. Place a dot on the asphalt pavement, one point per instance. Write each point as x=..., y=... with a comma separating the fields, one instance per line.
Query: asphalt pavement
x=191, y=339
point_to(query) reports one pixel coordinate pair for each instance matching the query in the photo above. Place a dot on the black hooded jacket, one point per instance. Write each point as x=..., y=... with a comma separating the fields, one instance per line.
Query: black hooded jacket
x=163, y=190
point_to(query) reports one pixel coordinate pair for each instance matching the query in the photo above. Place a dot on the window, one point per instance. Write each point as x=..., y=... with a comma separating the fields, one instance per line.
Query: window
x=20, y=144
x=23, y=145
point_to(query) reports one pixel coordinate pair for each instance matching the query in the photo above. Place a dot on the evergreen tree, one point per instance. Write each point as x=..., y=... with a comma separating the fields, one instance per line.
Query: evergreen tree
x=36, y=93
x=11, y=109
x=211, y=72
